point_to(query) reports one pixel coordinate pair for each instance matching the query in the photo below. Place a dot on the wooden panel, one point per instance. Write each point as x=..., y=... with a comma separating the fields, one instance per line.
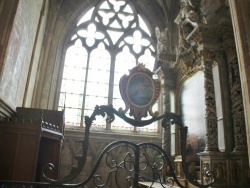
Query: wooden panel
x=49, y=152
x=26, y=145
x=8, y=145
x=26, y=158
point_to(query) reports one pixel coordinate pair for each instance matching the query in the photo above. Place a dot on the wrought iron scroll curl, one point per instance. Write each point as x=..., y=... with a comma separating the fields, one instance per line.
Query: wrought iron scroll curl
x=137, y=152
x=127, y=164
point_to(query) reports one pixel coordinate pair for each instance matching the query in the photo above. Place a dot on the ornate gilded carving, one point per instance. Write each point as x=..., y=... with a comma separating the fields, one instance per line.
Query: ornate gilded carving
x=190, y=15
x=139, y=92
x=205, y=168
x=209, y=90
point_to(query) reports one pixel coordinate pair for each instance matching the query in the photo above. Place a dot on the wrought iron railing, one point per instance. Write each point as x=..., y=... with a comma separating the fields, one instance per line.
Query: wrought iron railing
x=140, y=162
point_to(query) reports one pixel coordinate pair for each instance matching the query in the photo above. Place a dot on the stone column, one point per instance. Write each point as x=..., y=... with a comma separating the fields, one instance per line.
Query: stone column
x=237, y=105
x=240, y=141
x=206, y=39
x=210, y=105
x=168, y=80
x=167, y=87
x=166, y=132
x=239, y=170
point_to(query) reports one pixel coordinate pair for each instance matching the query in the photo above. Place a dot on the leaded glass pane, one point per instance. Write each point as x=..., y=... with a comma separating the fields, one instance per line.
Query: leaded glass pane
x=120, y=124
x=115, y=24
x=74, y=73
x=115, y=35
x=118, y=103
x=117, y=4
x=73, y=100
x=86, y=16
x=73, y=116
x=97, y=89
x=147, y=59
x=72, y=86
x=128, y=9
x=99, y=76
x=62, y=100
x=143, y=25
x=98, y=85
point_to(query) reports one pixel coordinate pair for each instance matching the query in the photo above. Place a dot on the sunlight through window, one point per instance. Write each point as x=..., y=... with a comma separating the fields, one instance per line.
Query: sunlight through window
x=108, y=41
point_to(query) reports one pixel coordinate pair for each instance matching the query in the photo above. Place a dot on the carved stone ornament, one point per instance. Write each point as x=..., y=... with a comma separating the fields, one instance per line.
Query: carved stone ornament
x=139, y=91
x=162, y=41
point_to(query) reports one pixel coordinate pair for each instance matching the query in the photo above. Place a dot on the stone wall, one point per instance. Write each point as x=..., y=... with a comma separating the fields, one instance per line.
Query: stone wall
x=19, y=50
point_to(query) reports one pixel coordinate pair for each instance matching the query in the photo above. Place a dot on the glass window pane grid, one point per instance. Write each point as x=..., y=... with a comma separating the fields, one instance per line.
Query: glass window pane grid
x=99, y=67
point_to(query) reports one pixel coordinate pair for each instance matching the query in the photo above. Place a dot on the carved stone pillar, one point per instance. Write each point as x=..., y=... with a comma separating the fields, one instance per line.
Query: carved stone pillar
x=239, y=170
x=210, y=105
x=205, y=41
x=237, y=108
x=240, y=140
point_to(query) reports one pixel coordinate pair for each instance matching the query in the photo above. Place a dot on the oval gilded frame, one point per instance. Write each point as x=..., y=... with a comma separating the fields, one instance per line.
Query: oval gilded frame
x=139, y=91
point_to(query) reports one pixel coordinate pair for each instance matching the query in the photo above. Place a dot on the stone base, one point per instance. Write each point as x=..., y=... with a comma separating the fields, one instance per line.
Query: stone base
x=229, y=170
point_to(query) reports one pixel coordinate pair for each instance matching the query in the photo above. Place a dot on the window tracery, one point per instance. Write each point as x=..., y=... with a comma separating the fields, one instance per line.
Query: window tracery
x=108, y=40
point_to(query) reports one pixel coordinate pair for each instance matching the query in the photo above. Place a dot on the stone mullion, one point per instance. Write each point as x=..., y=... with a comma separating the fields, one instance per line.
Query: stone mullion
x=240, y=140
x=210, y=108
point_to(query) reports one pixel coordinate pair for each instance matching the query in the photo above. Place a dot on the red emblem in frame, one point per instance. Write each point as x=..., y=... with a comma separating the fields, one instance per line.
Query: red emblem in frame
x=139, y=91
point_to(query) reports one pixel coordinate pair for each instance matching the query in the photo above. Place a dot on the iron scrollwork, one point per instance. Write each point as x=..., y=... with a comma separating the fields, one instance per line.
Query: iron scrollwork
x=136, y=163
x=141, y=162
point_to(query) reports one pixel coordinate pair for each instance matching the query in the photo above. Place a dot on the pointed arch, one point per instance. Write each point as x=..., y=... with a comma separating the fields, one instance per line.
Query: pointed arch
x=115, y=38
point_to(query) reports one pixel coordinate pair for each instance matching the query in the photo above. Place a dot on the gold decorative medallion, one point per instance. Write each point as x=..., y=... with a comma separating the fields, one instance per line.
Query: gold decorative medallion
x=139, y=91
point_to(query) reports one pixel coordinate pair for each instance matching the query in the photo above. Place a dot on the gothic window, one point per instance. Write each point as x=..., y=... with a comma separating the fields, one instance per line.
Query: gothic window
x=108, y=40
